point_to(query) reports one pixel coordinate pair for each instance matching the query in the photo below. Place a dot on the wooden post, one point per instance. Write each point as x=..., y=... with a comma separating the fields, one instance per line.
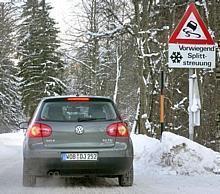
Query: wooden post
x=162, y=102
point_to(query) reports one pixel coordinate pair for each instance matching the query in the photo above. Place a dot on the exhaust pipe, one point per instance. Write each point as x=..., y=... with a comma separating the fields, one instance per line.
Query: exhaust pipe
x=56, y=173
x=53, y=173
x=50, y=173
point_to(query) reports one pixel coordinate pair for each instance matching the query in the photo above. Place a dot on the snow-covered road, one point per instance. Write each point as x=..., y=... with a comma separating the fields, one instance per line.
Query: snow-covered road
x=11, y=179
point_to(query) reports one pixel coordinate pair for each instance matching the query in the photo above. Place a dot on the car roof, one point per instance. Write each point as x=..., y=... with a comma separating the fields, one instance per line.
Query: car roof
x=72, y=96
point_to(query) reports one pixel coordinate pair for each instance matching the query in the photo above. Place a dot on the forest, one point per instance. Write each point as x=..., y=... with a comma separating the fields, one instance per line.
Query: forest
x=117, y=49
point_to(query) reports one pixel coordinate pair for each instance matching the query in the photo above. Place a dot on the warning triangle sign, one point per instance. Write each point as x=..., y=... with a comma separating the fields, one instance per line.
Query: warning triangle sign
x=191, y=29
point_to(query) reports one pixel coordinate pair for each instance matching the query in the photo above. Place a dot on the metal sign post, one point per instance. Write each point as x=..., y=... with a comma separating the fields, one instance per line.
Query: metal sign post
x=191, y=126
x=194, y=103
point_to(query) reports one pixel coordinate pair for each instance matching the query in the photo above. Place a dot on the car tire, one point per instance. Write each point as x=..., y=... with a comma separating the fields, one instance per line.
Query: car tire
x=126, y=179
x=29, y=180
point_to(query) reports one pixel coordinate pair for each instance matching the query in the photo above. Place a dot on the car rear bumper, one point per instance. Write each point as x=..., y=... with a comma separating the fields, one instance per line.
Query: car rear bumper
x=41, y=163
x=102, y=167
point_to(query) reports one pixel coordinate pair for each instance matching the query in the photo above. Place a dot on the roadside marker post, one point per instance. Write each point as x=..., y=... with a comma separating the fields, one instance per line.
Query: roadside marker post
x=162, y=103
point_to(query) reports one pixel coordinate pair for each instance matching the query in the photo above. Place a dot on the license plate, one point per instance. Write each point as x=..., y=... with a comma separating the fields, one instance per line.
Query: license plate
x=79, y=156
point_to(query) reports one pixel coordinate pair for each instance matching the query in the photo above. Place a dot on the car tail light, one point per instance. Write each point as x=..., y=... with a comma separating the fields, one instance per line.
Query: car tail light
x=39, y=130
x=118, y=130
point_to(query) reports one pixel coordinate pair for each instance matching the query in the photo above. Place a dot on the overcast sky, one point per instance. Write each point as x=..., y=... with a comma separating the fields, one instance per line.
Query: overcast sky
x=63, y=11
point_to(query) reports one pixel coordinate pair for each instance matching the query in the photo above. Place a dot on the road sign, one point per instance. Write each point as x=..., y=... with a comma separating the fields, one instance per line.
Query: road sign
x=191, y=45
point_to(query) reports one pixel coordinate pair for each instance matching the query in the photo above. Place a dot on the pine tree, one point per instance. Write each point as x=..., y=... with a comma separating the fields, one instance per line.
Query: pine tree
x=9, y=102
x=40, y=63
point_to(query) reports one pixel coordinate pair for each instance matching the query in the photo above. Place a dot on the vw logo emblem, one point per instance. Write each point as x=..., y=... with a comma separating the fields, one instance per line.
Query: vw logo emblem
x=79, y=130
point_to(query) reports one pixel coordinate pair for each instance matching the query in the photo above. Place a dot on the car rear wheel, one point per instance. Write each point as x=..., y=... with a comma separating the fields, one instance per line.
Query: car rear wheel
x=29, y=180
x=126, y=179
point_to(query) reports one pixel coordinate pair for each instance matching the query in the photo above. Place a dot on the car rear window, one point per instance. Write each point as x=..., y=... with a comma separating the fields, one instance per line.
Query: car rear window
x=78, y=111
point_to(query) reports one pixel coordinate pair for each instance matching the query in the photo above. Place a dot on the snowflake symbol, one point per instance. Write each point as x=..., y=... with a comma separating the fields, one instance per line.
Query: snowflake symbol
x=176, y=57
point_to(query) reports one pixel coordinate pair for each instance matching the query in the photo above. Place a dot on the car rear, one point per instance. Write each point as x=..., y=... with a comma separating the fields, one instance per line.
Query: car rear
x=77, y=136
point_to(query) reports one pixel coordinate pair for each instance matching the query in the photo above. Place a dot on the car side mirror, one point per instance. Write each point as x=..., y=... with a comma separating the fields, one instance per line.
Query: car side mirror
x=125, y=121
x=23, y=126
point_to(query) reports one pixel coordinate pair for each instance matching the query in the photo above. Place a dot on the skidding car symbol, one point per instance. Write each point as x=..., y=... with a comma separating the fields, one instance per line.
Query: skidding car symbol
x=190, y=29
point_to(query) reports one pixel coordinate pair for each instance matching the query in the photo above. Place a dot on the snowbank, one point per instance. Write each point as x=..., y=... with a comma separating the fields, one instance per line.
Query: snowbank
x=12, y=139
x=10, y=143
x=173, y=155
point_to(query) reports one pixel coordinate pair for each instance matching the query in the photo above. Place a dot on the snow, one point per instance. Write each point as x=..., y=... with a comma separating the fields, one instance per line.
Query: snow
x=160, y=167
x=118, y=75
x=173, y=155
x=179, y=104
x=11, y=139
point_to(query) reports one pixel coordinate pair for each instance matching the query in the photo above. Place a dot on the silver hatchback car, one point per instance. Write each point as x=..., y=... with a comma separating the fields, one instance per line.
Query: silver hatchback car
x=71, y=136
